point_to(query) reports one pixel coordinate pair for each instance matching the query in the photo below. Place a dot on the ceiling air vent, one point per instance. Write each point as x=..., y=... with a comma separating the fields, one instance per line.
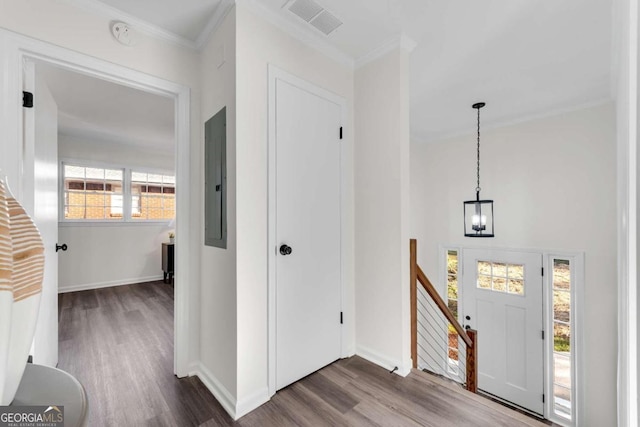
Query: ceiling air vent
x=326, y=22
x=306, y=9
x=314, y=14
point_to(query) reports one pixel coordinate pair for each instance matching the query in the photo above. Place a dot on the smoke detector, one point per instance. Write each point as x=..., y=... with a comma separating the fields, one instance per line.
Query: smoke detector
x=315, y=15
x=123, y=33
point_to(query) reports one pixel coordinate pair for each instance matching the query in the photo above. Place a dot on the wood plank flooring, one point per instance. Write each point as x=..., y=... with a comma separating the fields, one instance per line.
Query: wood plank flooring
x=119, y=343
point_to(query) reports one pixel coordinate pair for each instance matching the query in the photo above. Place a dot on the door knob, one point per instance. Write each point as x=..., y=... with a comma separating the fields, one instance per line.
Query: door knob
x=285, y=250
x=467, y=327
x=467, y=317
x=63, y=247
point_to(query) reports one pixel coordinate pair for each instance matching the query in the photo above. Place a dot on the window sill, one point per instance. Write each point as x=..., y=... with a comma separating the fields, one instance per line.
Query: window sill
x=113, y=223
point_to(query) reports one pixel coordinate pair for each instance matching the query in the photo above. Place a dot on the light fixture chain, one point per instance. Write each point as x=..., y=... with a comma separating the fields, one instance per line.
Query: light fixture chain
x=478, y=214
x=478, y=157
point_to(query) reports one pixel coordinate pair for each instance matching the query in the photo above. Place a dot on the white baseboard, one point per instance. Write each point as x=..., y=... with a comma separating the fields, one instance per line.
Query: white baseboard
x=251, y=402
x=194, y=369
x=234, y=408
x=381, y=360
x=219, y=391
x=350, y=352
x=98, y=285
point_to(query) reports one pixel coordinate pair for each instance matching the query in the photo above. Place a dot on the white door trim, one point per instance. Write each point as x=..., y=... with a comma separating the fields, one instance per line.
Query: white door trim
x=274, y=74
x=15, y=48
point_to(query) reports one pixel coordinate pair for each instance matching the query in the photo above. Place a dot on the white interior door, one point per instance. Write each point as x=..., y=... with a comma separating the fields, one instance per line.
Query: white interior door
x=308, y=281
x=41, y=181
x=502, y=300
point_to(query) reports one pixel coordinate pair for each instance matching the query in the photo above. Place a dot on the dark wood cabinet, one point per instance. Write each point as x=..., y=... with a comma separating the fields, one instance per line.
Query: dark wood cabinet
x=167, y=261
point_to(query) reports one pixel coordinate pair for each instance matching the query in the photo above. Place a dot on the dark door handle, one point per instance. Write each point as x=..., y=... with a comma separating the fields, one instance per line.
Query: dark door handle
x=467, y=327
x=285, y=250
x=63, y=247
x=467, y=317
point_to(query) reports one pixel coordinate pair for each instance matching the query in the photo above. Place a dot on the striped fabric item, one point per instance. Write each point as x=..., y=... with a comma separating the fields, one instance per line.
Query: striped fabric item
x=28, y=253
x=6, y=258
x=21, y=250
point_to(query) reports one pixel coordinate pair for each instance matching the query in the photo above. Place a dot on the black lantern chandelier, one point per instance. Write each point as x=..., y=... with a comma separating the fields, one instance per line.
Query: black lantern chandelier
x=478, y=214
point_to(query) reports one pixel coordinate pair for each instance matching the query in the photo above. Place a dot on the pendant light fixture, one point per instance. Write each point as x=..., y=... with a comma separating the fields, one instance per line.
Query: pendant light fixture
x=478, y=214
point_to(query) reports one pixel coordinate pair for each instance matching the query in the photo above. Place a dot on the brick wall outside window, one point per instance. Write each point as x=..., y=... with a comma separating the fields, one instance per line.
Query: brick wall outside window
x=98, y=194
x=90, y=205
x=153, y=196
x=156, y=207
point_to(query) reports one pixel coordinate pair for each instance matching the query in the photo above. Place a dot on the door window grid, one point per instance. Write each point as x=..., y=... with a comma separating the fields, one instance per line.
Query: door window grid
x=501, y=277
x=452, y=303
x=561, y=287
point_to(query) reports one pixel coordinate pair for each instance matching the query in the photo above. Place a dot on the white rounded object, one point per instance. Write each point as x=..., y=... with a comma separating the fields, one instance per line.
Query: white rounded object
x=123, y=33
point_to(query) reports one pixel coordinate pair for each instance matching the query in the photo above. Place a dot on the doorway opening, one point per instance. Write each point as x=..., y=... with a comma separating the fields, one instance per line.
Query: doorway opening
x=105, y=194
x=19, y=50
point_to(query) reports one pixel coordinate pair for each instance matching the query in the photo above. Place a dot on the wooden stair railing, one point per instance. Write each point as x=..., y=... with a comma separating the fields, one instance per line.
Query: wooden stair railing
x=469, y=336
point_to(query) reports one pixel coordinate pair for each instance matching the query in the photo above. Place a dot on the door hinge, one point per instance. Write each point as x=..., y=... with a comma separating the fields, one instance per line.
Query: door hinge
x=543, y=398
x=27, y=99
x=341, y=318
x=340, y=132
x=542, y=334
x=542, y=271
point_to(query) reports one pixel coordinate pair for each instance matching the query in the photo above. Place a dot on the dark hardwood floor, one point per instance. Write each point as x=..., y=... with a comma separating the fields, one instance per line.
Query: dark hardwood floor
x=119, y=343
x=355, y=392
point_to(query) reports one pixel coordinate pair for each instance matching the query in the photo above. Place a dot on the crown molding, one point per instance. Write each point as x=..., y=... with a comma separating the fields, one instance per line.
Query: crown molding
x=300, y=33
x=137, y=24
x=440, y=137
x=216, y=20
x=399, y=41
x=407, y=43
x=294, y=29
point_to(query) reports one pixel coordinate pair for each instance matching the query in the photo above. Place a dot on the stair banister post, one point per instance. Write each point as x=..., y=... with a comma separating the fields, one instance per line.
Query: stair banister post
x=472, y=361
x=413, y=259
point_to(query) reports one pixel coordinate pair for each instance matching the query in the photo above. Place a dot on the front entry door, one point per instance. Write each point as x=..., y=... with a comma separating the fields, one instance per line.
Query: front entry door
x=502, y=300
x=308, y=258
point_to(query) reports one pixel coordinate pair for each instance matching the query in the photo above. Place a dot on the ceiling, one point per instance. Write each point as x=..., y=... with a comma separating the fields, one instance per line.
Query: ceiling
x=110, y=113
x=523, y=58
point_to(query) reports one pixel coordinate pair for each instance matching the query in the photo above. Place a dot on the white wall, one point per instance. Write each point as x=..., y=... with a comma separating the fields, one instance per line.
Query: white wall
x=115, y=254
x=260, y=43
x=100, y=256
x=553, y=182
x=382, y=211
x=65, y=25
x=218, y=353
